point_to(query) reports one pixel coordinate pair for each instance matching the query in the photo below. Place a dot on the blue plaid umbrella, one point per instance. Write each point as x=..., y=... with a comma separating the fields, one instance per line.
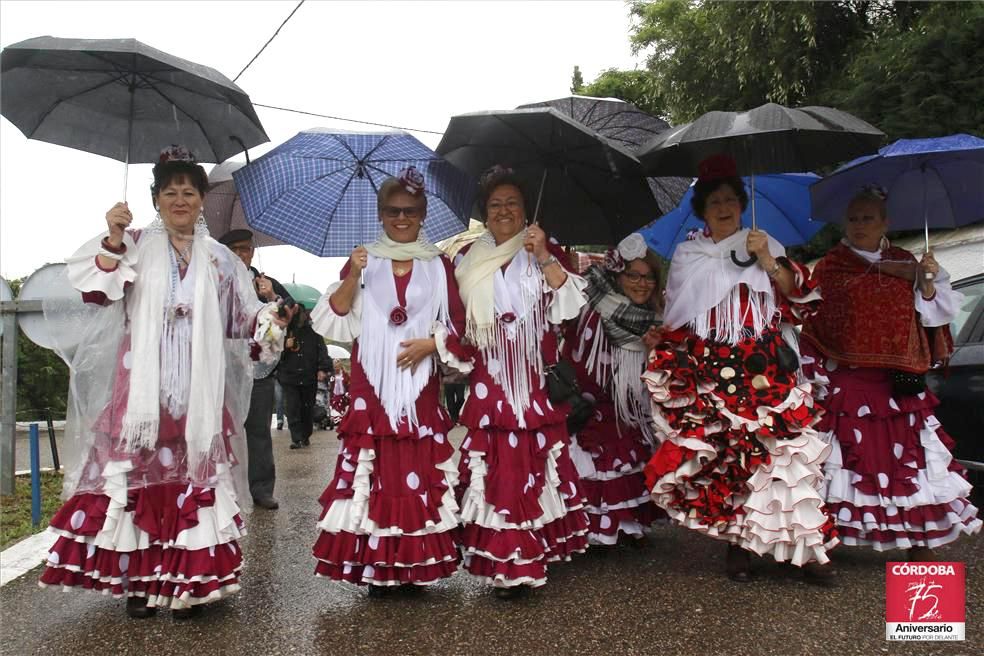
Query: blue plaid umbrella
x=782, y=209
x=317, y=191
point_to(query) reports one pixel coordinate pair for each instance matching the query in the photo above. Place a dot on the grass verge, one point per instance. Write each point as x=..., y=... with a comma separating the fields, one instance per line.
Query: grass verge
x=15, y=510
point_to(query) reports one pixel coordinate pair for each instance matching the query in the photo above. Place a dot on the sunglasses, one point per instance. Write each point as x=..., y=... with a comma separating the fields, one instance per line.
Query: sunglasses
x=393, y=212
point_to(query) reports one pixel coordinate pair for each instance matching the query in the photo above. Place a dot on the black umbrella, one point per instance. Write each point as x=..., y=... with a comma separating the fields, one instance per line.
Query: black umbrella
x=591, y=190
x=628, y=126
x=123, y=99
x=767, y=139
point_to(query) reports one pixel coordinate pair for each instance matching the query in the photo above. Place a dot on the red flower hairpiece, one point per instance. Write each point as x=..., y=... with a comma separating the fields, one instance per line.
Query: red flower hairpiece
x=176, y=153
x=716, y=167
x=412, y=180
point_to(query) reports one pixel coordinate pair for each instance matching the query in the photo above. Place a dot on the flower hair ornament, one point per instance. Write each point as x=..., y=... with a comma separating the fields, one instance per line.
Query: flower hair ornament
x=411, y=180
x=877, y=191
x=176, y=153
x=493, y=172
x=716, y=167
x=631, y=248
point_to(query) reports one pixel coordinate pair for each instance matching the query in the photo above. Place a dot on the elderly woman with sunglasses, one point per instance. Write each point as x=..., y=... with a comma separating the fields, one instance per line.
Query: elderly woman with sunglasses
x=739, y=458
x=521, y=506
x=390, y=515
x=892, y=482
x=605, y=345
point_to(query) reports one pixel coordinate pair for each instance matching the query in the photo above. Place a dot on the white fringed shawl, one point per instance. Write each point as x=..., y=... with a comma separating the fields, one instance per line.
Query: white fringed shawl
x=379, y=342
x=704, y=280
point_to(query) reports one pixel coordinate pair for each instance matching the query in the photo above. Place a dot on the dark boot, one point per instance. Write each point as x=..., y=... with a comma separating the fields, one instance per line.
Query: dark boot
x=136, y=607
x=738, y=564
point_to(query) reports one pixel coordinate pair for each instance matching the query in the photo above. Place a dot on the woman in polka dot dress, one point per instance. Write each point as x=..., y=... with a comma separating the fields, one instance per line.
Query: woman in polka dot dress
x=155, y=437
x=608, y=354
x=739, y=459
x=521, y=506
x=389, y=512
x=892, y=482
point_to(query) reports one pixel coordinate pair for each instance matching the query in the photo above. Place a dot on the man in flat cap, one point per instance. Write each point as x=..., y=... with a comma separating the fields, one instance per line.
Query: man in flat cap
x=259, y=441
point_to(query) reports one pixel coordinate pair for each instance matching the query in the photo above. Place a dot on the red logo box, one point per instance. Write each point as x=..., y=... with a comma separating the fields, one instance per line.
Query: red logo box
x=924, y=601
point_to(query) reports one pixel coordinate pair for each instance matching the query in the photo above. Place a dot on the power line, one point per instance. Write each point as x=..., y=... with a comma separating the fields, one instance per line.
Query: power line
x=350, y=120
x=269, y=40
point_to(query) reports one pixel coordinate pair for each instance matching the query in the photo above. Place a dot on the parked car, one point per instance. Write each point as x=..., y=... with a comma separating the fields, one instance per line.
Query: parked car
x=960, y=386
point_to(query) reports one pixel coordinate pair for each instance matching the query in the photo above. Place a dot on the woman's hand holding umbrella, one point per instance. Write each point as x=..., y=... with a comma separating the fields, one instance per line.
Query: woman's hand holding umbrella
x=536, y=243
x=117, y=220
x=928, y=269
x=757, y=244
x=341, y=300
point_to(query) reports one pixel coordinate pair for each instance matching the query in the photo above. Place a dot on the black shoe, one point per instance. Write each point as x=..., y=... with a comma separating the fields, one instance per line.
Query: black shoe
x=377, y=591
x=186, y=613
x=136, y=607
x=296, y=445
x=737, y=564
x=822, y=576
x=306, y=443
x=508, y=593
x=267, y=502
x=280, y=425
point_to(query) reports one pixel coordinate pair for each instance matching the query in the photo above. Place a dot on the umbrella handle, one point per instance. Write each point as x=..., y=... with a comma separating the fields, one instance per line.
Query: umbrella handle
x=744, y=264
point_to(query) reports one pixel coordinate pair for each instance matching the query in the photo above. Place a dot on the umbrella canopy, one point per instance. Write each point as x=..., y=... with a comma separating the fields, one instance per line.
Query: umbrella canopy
x=336, y=352
x=626, y=125
x=591, y=191
x=937, y=183
x=306, y=295
x=782, y=204
x=223, y=209
x=620, y=121
x=123, y=99
x=317, y=190
x=767, y=139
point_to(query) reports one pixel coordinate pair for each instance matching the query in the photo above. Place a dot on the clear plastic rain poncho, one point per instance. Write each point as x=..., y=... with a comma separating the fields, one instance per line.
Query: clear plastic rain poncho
x=178, y=347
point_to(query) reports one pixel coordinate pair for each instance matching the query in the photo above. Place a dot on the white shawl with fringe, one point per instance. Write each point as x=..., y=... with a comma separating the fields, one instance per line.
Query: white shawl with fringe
x=704, y=280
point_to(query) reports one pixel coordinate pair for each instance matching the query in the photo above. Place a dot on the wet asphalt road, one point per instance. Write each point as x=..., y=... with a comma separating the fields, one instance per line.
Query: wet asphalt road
x=667, y=598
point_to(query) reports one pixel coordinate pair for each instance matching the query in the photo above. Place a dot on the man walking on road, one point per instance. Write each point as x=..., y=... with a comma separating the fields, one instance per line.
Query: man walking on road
x=259, y=441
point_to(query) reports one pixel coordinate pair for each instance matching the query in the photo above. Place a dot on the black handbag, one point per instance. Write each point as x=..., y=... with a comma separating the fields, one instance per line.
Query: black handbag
x=562, y=387
x=906, y=383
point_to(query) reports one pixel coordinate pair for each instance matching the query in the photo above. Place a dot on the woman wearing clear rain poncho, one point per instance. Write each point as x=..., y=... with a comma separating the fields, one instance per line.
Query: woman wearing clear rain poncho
x=157, y=480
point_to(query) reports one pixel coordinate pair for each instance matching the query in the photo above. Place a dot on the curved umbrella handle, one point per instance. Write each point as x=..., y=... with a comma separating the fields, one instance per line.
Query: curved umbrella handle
x=752, y=259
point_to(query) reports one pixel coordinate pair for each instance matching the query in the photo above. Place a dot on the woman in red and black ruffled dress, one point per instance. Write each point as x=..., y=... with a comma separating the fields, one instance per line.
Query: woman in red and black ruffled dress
x=390, y=514
x=740, y=459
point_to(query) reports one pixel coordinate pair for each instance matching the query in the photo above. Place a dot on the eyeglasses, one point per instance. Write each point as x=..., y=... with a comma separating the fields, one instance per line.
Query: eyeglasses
x=510, y=206
x=393, y=212
x=636, y=278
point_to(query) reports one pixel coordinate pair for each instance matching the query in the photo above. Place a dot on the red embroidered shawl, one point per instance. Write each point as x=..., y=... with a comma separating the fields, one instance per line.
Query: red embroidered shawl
x=869, y=319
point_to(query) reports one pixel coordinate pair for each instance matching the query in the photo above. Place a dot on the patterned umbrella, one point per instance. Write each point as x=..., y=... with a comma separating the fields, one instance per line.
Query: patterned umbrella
x=222, y=208
x=317, y=190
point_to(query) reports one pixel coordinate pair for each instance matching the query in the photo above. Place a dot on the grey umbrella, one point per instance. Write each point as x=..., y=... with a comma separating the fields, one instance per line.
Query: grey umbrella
x=628, y=126
x=123, y=99
x=768, y=139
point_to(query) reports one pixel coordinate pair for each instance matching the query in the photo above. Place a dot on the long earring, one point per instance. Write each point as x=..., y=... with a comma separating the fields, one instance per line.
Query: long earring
x=884, y=244
x=201, y=226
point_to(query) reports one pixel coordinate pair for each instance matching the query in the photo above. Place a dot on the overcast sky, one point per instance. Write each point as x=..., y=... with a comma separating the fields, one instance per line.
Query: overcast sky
x=412, y=64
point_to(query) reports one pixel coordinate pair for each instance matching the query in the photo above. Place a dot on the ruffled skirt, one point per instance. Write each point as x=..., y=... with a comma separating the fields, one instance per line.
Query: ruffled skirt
x=892, y=482
x=174, y=544
x=740, y=460
x=521, y=506
x=609, y=460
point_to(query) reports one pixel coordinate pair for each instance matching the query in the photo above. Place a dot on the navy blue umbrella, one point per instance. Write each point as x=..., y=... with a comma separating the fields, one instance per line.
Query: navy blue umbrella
x=781, y=205
x=317, y=190
x=936, y=183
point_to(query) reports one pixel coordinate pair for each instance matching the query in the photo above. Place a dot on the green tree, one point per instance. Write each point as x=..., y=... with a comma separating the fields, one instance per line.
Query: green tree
x=577, y=81
x=636, y=87
x=921, y=76
x=42, y=377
